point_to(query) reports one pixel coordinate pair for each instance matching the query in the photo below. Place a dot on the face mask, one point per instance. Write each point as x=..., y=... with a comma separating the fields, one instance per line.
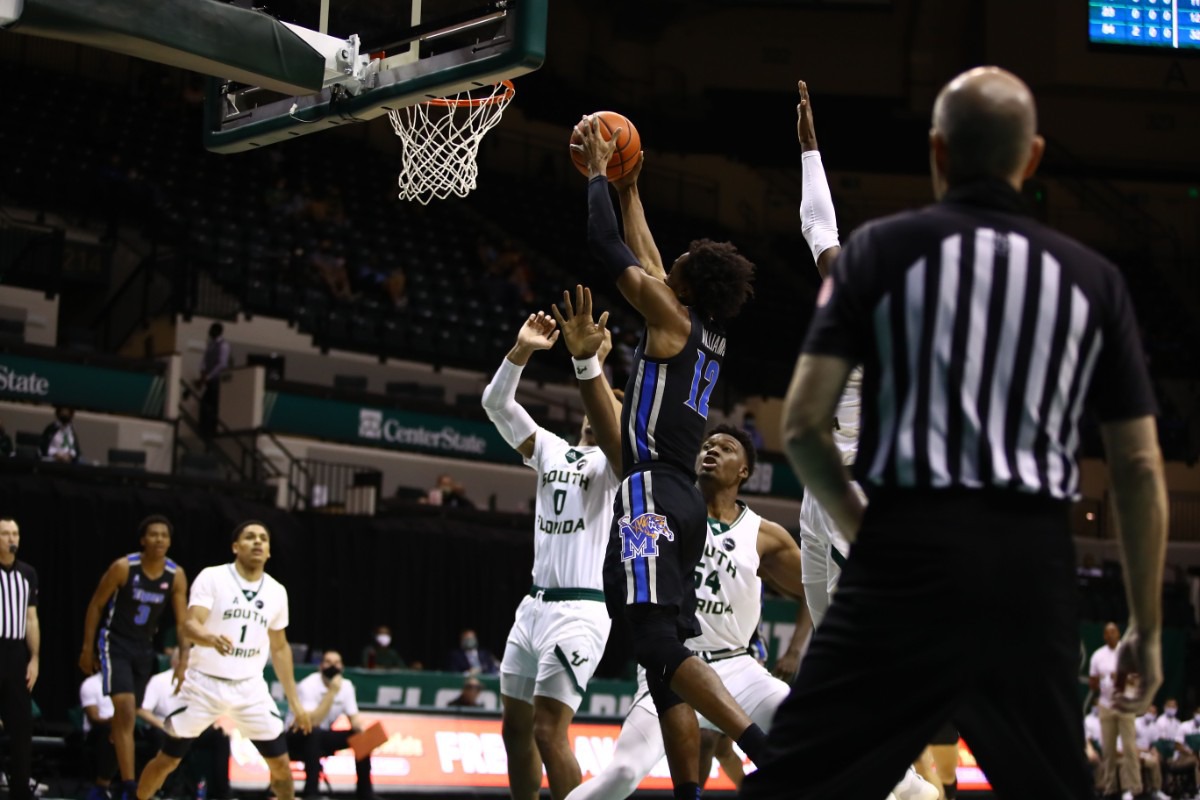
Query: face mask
x=1149, y=717
x=331, y=672
x=470, y=643
x=383, y=640
x=1171, y=712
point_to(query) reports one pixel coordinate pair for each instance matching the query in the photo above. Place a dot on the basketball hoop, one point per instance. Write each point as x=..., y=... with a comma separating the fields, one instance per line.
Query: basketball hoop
x=440, y=140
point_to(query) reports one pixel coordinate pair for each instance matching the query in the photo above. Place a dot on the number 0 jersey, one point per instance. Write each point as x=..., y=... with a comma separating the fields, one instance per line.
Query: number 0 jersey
x=666, y=401
x=575, y=494
x=242, y=611
x=728, y=589
x=134, y=609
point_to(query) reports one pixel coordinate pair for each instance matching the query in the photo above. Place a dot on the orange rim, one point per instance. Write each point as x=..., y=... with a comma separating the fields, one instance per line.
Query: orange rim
x=472, y=102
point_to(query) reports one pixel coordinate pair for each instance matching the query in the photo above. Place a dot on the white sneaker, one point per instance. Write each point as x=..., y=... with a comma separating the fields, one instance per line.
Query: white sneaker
x=1127, y=796
x=1161, y=795
x=914, y=787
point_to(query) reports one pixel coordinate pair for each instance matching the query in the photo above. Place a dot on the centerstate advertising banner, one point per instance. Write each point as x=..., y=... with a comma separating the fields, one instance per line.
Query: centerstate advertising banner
x=352, y=423
x=43, y=380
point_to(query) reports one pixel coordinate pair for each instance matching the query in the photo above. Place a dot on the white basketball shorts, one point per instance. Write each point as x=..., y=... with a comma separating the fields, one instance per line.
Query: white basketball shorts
x=247, y=702
x=553, y=649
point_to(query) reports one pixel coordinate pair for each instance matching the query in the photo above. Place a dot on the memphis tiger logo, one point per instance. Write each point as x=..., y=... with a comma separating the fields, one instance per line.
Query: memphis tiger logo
x=639, y=535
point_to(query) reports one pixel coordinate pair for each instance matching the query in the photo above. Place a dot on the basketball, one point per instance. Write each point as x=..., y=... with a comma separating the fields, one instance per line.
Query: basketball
x=629, y=144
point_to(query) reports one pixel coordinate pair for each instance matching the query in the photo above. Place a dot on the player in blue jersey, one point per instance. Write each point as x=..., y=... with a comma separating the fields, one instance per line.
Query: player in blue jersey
x=660, y=520
x=125, y=608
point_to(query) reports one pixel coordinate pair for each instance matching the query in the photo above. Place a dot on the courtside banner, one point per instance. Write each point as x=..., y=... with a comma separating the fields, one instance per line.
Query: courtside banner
x=63, y=383
x=428, y=753
x=354, y=423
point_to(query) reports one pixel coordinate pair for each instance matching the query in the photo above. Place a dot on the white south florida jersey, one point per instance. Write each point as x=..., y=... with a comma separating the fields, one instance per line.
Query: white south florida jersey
x=848, y=419
x=243, y=611
x=574, y=511
x=728, y=589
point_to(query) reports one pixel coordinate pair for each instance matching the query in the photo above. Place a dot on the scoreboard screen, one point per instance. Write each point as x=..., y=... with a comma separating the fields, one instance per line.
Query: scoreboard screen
x=1160, y=24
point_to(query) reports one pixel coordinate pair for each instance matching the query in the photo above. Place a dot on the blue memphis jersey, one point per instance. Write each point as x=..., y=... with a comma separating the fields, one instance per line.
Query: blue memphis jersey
x=665, y=412
x=133, y=611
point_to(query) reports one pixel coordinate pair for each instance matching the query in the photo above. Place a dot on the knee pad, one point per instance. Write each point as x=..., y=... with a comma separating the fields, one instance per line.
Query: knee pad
x=177, y=748
x=272, y=748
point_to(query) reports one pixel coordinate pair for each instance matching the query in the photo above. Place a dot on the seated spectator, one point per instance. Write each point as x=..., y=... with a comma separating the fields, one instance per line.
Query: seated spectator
x=380, y=654
x=470, y=658
x=1187, y=742
x=751, y=428
x=450, y=493
x=1146, y=731
x=331, y=269
x=1175, y=757
x=97, y=733
x=327, y=695
x=59, y=442
x=469, y=698
x=158, y=703
x=395, y=286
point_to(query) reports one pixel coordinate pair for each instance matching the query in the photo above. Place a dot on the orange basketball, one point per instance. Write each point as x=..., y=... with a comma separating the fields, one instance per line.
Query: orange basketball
x=629, y=144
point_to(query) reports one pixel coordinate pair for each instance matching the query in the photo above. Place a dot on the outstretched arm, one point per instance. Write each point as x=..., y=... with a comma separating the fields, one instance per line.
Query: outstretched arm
x=633, y=217
x=1139, y=490
x=499, y=397
x=818, y=222
x=650, y=295
x=587, y=340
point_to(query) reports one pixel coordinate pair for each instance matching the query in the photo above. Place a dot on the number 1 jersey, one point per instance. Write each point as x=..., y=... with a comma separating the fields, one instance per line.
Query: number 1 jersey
x=243, y=611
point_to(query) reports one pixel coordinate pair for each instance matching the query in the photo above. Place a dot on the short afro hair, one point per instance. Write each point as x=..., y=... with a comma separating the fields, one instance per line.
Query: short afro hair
x=718, y=279
x=154, y=519
x=743, y=439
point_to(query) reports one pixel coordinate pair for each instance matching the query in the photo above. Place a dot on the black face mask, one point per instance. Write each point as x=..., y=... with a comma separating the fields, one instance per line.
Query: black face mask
x=331, y=672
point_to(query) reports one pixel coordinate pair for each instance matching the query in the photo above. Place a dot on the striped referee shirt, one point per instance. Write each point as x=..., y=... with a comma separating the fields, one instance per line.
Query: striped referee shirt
x=981, y=334
x=18, y=593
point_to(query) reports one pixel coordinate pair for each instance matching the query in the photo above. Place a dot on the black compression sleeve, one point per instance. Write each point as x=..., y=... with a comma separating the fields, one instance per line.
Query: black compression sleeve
x=603, y=236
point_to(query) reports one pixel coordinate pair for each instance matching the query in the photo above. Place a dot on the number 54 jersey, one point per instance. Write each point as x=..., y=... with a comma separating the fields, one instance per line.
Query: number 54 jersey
x=243, y=612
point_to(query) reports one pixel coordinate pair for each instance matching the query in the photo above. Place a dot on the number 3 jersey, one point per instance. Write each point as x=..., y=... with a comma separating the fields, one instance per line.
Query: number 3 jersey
x=135, y=608
x=242, y=611
x=728, y=589
x=666, y=401
x=575, y=494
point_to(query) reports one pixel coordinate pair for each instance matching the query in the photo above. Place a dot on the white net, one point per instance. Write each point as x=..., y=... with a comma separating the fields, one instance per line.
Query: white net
x=440, y=141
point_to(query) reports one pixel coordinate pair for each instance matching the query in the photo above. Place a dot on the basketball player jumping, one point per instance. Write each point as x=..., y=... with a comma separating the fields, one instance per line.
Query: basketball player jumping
x=824, y=548
x=561, y=628
x=741, y=549
x=126, y=607
x=236, y=615
x=659, y=525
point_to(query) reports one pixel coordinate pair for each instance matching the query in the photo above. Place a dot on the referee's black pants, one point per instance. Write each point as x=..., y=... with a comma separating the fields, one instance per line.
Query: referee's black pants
x=16, y=711
x=954, y=605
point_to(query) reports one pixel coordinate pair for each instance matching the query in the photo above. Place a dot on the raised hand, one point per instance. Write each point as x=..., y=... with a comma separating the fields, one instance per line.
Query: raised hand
x=596, y=151
x=1139, y=670
x=806, y=132
x=583, y=336
x=538, y=333
x=629, y=179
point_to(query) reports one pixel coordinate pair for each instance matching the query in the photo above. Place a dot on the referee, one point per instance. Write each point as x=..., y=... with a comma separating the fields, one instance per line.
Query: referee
x=20, y=640
x=981, y=334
